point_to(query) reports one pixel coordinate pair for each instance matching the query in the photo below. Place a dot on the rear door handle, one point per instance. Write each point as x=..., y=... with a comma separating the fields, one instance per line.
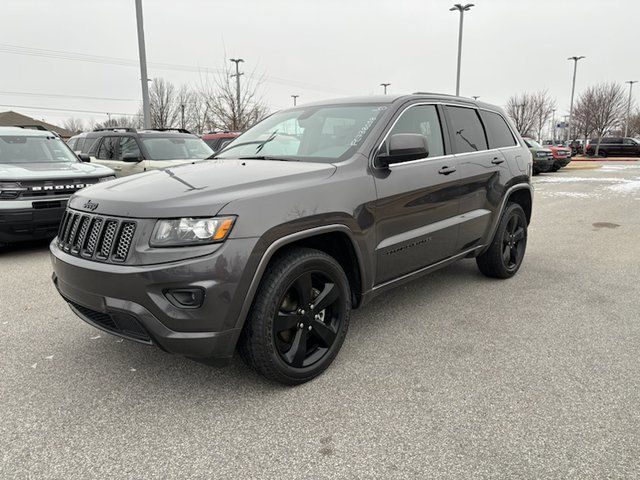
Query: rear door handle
x=446, y=170
x=497, y=161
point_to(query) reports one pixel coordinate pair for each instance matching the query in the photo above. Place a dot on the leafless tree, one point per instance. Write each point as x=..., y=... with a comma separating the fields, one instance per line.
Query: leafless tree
x=544, y=106
x=634, y=124
x=606, y=108
x=164, y=103
x=221, y=104
x=74, y=125
x=124, y=121
x=582, y=121
x=523, y=111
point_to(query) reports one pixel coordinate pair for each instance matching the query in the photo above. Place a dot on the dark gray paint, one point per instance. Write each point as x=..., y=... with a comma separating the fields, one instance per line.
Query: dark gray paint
x=401, y=221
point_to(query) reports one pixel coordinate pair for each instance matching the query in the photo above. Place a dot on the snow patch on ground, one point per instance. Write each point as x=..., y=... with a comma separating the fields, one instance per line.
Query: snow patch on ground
x=628, y=186
x=578, y=179
x=547, y=193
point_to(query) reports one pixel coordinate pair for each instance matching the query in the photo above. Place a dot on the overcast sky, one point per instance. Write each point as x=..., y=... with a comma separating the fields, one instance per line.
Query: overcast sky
x=315, y=48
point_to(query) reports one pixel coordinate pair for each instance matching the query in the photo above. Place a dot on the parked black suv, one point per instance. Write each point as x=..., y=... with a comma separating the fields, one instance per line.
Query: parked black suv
x=307, y=215
x=615, y=147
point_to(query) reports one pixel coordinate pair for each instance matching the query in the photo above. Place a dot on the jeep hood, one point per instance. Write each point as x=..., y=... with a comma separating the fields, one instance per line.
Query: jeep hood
x=199, y=189
x=51, y=171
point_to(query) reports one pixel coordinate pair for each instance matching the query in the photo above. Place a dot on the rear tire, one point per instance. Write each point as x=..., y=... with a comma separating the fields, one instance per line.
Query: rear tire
x=506, y=252
x=299, y=317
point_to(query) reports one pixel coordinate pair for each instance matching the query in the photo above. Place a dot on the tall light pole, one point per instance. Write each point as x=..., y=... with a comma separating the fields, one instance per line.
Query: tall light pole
x=295, y=99
x=573, y=89
x=553, y=126
x=237, y=61
x=475, y=97
x=146, y=111
x=460, y=8
x=385, y=85
x=626, y=127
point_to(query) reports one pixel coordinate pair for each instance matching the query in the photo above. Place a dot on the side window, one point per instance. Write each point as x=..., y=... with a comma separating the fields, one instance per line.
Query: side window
x=72, y=143
x=422, y=119
x=108, y=149
x=629, y=141
x=498, y=131
x=87, y=146
x=466, y=130
x=128, y=145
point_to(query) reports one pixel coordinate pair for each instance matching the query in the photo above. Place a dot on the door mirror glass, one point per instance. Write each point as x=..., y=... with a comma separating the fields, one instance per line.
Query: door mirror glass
x=404, y=147
x=131, y=157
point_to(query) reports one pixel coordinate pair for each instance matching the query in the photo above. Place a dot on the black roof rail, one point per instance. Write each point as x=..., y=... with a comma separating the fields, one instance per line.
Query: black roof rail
x=170, y=129
x=115, y=129
x=437, y=94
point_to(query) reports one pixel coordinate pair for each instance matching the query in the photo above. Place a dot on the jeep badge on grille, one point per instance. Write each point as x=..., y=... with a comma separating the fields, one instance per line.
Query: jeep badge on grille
x=89, y=205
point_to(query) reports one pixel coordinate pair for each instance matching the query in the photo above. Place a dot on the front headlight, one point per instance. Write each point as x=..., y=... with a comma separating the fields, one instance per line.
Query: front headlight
x=190, y=231
x=541, y=154
x=106, y=179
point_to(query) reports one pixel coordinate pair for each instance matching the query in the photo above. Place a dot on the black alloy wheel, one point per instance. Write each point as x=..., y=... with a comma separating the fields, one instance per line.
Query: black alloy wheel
x=513, y=241
x=299, y=317
x=307, y=322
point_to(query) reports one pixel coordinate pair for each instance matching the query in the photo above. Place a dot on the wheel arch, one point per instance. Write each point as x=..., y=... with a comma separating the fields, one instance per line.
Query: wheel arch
x=335, y=240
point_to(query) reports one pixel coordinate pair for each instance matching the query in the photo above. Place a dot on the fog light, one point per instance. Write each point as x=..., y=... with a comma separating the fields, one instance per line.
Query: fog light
x=185, y=297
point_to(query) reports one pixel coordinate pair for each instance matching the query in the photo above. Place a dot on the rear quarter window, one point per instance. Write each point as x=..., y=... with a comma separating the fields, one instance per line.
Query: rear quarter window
x=498, y=132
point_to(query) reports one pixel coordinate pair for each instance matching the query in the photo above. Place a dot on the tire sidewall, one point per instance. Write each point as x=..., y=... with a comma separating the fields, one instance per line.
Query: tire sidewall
x=332, y=269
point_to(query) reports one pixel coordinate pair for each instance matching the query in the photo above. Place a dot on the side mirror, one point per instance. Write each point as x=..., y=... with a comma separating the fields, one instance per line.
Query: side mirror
x=84, y=157
x=404, y=147
x=131, y=157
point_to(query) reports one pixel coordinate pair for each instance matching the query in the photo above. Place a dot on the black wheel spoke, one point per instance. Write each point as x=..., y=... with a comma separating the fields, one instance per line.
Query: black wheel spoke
x=506, y=254
x=285, y=321
x=323, y=332
x=326, y=297
x=512, y=224
x=298, y=351
x=303, y=288
x=519, y=234
x=513, y=257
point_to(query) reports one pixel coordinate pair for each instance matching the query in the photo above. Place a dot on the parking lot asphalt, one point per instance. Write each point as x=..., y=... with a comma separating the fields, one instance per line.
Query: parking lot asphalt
x=451, y=376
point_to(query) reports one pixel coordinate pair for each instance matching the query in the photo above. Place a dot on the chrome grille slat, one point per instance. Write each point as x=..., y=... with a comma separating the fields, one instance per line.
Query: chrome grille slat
x=125, y=238
x=96, y=237
x=107, y=239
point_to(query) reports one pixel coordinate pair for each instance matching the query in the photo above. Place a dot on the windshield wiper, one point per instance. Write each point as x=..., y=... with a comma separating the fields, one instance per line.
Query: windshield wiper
x=267, y=157
x=260, y=143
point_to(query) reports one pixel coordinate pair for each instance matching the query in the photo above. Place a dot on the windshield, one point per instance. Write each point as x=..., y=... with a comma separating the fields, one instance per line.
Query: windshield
x=27, y=149
x=532, y=143
x=325, y=133
x=176, y=148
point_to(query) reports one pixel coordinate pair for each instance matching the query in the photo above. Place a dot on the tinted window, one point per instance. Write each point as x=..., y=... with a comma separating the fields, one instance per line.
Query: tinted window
x=611, y=140
x=497, y=131
x=422, y=119
x=108, y=149
x=128, y=145
x=86, y=144
x=630, y=141
x=466, y=130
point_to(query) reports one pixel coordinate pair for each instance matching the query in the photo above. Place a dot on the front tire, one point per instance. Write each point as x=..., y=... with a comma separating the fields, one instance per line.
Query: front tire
x=506, y=252
x=299, y=317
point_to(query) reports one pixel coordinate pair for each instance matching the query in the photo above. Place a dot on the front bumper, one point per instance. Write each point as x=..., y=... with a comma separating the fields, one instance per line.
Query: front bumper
x=561, y=162
x=542, y=164
x=130, y=301
x=22, y=224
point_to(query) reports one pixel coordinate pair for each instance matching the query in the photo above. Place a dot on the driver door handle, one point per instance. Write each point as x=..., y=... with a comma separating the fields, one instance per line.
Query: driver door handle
x=497, y=161
x=446, y=170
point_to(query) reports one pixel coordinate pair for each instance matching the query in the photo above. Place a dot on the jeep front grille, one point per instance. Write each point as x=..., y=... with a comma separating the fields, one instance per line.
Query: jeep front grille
x=95, y=236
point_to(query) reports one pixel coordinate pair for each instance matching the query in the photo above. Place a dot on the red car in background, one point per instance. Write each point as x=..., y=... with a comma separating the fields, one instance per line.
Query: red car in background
x=561, y=156
x=218, y=140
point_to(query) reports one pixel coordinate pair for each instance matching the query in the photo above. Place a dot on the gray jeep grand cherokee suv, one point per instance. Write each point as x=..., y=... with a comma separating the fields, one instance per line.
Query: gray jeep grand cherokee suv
x=307, y=215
